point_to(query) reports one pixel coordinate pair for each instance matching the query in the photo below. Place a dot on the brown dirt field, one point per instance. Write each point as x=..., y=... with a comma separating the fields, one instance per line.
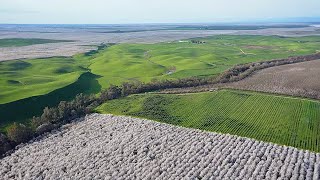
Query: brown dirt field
x=300, y=79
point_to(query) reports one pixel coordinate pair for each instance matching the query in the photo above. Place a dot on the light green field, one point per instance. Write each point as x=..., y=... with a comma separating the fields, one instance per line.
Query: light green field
x=127, y=62
x=278, y=119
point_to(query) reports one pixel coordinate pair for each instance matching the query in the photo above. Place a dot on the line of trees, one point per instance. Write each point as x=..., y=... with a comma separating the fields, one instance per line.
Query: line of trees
x=55, y=117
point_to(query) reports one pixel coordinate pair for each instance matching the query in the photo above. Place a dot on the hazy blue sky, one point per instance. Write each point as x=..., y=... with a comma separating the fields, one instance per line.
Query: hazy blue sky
x=151, y=11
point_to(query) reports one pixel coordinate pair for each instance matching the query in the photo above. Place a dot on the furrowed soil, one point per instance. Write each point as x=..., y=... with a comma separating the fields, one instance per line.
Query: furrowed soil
x=300, y=79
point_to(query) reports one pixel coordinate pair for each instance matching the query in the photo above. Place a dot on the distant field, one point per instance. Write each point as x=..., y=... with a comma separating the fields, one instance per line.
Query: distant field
x=235, y=27
x=16, y=42
x=301, y=79
x=278, y=119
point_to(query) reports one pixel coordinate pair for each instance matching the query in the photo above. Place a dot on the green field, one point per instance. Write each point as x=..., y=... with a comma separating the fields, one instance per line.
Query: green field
x=16, y=42
x=22, y=80
x=179, y=59
x=278, y=119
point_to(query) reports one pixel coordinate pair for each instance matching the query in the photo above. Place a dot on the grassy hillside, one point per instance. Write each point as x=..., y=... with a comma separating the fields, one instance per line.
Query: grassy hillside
x=25, y=78
x=204, y=57
x=283, y=120
x=20, y=111
x=16, y=42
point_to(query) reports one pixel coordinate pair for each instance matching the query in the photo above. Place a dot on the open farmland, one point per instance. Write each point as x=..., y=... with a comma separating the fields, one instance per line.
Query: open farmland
x=23, y=81
x=128, y=62
x=301, y=79
x=278, y=119
x=114, y=147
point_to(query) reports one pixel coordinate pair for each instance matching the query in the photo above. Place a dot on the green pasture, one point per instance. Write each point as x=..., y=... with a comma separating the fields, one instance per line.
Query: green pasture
x=266, y=117
x=16, y=42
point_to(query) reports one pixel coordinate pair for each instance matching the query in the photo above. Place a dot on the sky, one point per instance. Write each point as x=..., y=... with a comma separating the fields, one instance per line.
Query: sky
x=151, y=11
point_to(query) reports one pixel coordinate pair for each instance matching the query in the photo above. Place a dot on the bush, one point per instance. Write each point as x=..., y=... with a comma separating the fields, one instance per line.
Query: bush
x=19, y=133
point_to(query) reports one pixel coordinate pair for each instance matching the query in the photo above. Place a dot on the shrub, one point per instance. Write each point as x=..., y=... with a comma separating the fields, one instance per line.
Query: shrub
x=19, y=133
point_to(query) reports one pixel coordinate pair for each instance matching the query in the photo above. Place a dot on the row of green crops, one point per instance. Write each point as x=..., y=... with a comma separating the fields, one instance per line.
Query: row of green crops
x=278, y=119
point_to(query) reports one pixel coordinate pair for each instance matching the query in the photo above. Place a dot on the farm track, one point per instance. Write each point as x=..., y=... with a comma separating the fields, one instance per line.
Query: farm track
x=117, y=147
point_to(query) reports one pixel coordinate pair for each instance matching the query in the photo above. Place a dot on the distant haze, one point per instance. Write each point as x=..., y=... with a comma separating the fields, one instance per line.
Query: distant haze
x=149, y=11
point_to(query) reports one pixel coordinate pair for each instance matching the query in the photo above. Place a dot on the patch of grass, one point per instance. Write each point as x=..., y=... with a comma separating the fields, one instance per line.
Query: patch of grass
x=16, y=42
x=278, y=119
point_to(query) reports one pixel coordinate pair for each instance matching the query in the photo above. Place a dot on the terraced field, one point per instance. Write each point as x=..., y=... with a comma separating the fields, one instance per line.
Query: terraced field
x=278, y=119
